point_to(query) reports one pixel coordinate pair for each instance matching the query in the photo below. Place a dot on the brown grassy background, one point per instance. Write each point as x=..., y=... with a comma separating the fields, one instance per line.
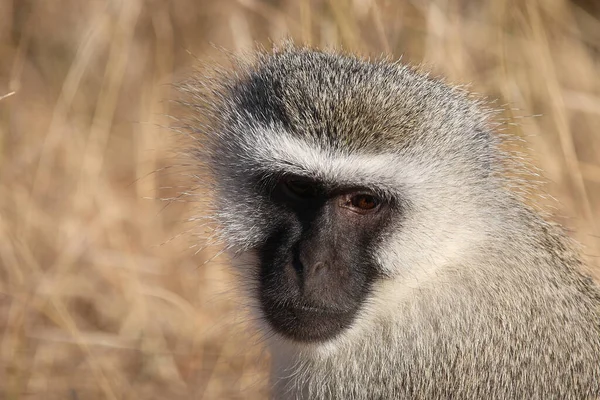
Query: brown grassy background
x=101, y=296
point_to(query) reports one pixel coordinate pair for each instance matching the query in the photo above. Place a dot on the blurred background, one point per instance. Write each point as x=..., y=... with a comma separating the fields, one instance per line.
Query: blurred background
x=105, y=292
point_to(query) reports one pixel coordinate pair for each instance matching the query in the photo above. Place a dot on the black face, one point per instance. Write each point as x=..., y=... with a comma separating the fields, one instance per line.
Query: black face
x=316, y=268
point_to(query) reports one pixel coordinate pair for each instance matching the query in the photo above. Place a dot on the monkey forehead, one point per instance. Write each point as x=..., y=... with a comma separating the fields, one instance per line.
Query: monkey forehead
x=350, y=103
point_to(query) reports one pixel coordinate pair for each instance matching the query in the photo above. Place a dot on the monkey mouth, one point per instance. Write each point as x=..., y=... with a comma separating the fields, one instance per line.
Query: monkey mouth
x=307, y=323
x=317, y=310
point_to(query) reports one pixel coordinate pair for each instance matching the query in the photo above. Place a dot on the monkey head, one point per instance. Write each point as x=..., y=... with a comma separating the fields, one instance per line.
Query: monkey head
x=344, y=182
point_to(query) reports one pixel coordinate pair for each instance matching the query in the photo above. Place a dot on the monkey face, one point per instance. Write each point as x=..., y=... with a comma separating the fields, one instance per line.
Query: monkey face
x=317, y=265
x=336, y=174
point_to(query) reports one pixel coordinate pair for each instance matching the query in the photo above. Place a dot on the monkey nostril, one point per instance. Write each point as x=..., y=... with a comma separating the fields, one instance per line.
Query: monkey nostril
x=317, y=267
x=298, y=266
x=316, y=273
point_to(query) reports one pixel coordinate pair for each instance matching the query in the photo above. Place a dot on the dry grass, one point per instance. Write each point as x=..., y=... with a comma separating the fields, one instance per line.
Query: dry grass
x=92, y=303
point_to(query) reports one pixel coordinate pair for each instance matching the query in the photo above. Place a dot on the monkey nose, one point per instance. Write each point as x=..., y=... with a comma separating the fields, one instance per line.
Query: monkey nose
x=308, y=271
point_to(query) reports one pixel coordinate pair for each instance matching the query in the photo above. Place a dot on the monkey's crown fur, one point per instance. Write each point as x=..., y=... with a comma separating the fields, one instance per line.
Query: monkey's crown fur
x=341, y=103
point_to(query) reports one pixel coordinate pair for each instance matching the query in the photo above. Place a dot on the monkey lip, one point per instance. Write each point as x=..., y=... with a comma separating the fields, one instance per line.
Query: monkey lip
x=319, y=310
x=308, y=323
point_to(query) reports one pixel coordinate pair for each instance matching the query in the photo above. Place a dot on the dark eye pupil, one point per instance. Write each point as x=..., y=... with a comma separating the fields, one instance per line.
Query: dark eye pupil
x=364, y=202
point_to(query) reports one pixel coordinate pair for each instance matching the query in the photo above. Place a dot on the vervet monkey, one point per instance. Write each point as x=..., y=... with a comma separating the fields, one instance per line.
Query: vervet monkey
x=369, y=210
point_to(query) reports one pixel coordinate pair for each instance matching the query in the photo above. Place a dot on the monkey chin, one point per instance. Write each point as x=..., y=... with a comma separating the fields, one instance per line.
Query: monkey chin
x=306, y=324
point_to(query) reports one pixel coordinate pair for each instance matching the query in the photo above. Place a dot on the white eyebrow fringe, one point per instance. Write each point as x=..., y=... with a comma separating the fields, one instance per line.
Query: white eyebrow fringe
x=306, y=157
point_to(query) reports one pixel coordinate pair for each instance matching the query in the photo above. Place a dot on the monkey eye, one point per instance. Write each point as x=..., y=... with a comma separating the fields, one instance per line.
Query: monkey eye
x=302, y=188
x=363, y=203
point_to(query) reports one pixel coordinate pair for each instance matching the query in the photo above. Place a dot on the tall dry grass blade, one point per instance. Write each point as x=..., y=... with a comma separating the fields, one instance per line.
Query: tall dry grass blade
x=121, y=46
x=559, y=109
x=306, y=22
x=378, y=22
x=7, y=95
x=342, y=13
x=91, y=44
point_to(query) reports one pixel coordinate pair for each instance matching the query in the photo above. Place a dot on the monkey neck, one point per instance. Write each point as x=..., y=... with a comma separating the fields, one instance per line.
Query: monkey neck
x=483, y=322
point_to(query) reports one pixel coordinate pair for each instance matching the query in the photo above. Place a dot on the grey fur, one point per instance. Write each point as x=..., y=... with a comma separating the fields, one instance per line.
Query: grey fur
x=483, y=299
